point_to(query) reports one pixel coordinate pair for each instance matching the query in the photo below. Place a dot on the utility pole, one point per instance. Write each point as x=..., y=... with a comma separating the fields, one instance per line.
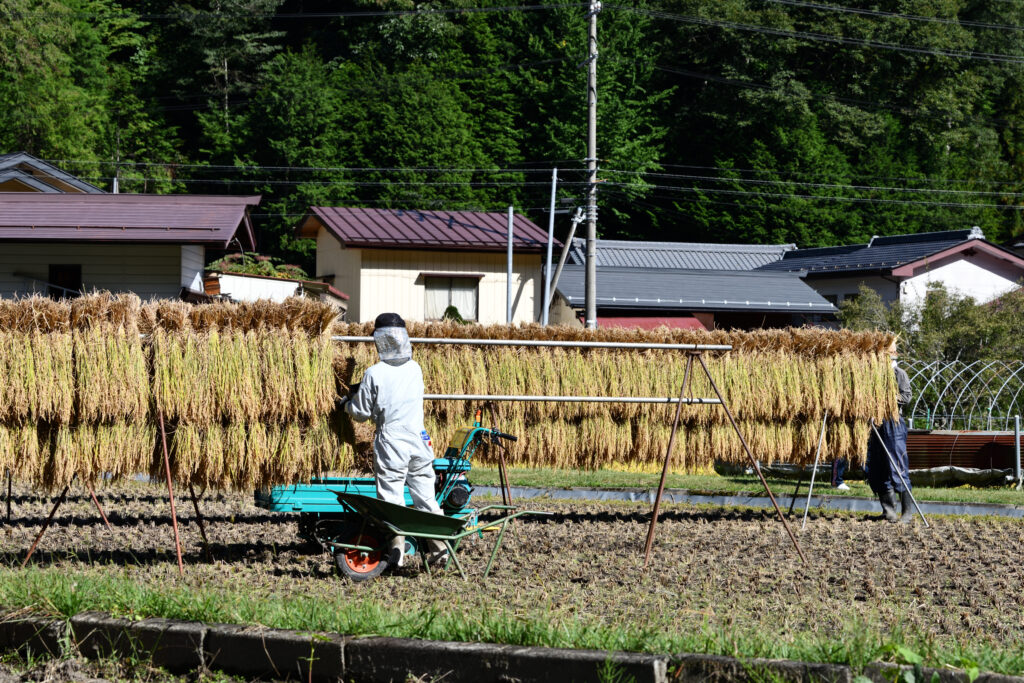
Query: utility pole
x=590, y=279
x=547, y=261
x=508, y=270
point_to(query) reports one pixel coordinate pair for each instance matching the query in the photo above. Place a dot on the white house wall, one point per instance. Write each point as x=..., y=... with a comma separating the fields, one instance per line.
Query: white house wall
x=242, y=288
x=389, y=280
x=332, y=259
x=193, y=259
x=982, y=281
x=149, y=270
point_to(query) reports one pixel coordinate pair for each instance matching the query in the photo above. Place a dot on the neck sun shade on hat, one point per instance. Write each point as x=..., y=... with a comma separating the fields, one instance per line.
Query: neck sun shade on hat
x=392, y=339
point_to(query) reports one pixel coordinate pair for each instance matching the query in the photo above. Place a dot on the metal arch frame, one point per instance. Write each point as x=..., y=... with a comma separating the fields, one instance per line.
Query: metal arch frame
x=1013, y=403
x=920, y=394
x=995, y=399
x=956, y=405
x=957, y=390
x=955, y=377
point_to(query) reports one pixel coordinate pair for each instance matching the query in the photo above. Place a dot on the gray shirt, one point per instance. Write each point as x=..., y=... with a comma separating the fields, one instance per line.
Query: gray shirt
x=903, y=384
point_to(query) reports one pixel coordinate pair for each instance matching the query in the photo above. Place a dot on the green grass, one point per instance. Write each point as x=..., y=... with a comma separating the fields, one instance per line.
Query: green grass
x=713, y=483
x=61, y=593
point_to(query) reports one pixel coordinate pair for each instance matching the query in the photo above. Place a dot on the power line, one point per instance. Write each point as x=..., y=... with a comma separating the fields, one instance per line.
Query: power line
x=822, y=186
x=832, y=198
x=185, y=16
x=255, y=182
x=311, y=169
x=823, y=37
x=734, y=169
x=896, y=15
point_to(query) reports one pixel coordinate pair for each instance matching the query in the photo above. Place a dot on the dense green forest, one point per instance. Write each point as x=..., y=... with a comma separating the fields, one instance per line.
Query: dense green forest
x=719, y=120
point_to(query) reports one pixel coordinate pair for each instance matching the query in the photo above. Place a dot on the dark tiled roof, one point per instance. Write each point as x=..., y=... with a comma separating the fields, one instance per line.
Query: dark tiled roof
x=691, y=255
x=398, y=228
x=882, y=253
x=13, y=165
x=694, y=290
x=179, y=219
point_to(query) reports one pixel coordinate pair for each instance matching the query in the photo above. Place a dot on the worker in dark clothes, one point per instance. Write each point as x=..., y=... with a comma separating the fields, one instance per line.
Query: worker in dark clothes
x=892, y=486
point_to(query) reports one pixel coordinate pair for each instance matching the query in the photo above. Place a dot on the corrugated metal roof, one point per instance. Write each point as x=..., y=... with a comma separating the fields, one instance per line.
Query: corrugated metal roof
x=400, y=228
x=180, y=219
x=694, y=290
x=689, y=255
x=17, y=161
x=881, y=253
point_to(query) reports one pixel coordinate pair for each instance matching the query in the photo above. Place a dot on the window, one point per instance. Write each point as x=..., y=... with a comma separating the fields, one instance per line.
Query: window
x=832, y=299
x=64, y=280
x=851, y=297
x=442, y=292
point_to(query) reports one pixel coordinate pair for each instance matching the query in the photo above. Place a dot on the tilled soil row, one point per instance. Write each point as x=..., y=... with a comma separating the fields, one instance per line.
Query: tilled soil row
x=727, y=570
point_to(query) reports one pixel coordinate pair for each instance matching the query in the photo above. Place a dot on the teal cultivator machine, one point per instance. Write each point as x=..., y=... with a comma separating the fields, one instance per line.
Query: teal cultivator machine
x=345, y=517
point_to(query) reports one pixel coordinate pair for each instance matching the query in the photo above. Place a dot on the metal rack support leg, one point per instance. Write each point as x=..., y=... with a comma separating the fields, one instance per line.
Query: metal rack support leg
x=757, y=467
x=668, y=456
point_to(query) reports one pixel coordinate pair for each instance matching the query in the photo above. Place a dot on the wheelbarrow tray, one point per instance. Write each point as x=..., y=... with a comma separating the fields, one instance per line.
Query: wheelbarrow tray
x=404, y=521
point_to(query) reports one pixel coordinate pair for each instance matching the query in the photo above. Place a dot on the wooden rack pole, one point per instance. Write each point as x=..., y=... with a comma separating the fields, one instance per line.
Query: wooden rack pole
x=99, y=508
x=46, y=525
x=170, y=492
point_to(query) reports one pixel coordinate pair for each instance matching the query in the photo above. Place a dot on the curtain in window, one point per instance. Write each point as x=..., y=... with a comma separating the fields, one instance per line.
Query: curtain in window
x=464, y=295
x=437, y=297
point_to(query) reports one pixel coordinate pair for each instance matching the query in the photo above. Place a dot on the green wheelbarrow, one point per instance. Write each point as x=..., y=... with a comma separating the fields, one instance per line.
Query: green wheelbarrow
x=360, y=550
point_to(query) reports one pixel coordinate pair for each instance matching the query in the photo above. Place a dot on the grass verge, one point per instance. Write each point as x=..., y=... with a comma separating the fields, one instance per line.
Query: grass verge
x=713, y=483
x=115, y=590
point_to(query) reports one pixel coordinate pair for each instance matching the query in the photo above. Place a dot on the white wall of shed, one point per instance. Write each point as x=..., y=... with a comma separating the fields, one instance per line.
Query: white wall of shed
x=344, y=264
x=382, y=280
x=982, y=279
x=149, y=270
x=241, y=288
x=193, y=259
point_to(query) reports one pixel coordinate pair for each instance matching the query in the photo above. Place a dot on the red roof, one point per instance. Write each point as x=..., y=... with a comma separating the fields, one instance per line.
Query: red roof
x=400, y=228
x=680, y=322
x=177, y=219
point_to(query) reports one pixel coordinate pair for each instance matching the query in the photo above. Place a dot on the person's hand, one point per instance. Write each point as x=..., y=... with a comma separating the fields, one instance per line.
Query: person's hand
x=343, y=401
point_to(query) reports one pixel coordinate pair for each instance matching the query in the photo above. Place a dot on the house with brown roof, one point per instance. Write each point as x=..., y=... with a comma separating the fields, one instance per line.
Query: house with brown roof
x=418, y=263
x=152, y=245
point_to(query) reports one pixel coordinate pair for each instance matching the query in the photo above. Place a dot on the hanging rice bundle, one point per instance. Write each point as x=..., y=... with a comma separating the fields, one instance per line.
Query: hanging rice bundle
x=236, y=383
x=277, y=366
x=60, y=461
x=37, y=375
x=181, y=377
x=111, y=375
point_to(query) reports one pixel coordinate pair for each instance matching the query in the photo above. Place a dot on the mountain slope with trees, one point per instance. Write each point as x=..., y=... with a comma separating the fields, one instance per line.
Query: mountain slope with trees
x=719, y=120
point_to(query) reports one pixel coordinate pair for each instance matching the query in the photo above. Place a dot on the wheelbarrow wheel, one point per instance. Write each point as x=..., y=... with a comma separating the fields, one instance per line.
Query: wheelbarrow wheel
x=360, y=565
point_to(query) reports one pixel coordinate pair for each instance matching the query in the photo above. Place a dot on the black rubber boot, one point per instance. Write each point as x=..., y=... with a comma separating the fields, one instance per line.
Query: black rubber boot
x=888, y=501
x=908, y=507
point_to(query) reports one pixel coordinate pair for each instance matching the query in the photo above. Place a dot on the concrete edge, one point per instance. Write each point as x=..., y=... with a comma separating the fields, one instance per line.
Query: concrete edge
x=259, y=652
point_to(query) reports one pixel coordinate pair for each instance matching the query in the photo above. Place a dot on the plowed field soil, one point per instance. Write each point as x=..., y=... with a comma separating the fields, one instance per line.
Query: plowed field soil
x=730, y=571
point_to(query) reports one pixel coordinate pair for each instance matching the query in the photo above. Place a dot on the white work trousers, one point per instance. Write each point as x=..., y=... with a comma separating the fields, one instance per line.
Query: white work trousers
x=394, y=467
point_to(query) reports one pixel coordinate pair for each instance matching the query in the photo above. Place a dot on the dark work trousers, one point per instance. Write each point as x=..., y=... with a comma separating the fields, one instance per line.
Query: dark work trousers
x=838, y=470
x=880, y=474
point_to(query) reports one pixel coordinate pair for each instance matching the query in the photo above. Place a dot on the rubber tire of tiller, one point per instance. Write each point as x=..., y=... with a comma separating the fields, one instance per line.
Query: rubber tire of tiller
x=360, y=566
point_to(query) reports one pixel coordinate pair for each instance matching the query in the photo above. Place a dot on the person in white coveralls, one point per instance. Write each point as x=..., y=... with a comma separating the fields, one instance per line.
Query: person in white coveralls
x=391, y=394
